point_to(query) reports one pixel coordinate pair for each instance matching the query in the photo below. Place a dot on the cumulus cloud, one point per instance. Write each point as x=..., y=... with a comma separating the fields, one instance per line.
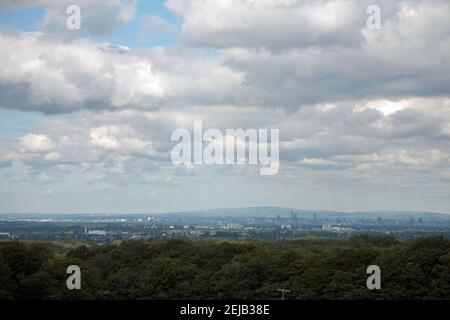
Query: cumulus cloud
x=52, y=156
x=346, y=136
x=104, y=138
x=62, y=77
x=299, y=52
x=394, y=62
x=36, y=143
x=52, y=76
x=267, y=24
x=279, y=25
x=98, y=17
x=123, y=137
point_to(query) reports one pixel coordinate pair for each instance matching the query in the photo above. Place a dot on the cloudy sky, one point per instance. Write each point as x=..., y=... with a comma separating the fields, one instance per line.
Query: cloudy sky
x=86, y=115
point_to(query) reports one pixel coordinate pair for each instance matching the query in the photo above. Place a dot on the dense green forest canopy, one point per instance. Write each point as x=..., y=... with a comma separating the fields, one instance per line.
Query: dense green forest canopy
x=206, y=269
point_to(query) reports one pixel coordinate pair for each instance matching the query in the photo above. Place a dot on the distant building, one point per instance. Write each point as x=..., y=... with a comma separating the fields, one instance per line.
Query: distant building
x=97, y=233
x=234, y=226
x=294, y=218
x=94, y=232
x=329, y=227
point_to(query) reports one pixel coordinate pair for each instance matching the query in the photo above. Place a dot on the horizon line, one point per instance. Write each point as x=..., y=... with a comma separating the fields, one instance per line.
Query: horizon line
x=231, y=208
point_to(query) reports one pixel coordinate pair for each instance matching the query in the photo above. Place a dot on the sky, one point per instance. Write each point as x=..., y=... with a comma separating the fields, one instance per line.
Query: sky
x=86, y=115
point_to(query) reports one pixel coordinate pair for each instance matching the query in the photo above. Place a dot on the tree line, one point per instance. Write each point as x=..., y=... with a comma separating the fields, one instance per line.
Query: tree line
x=221, y=269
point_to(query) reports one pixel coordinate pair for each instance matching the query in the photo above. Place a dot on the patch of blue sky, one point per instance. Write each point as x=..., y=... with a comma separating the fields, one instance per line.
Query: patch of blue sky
x=15, y=123
x=24, y=19
x=133, y=34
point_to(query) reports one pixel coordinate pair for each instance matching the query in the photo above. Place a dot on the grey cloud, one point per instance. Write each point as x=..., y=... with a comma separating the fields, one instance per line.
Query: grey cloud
x=294, y=78
x=5, y=163
x=394, y=62
x=276, y=25
x=359, y=145
x=321, y=136
x=98, y=17
x=344, y=61
x=53, y=76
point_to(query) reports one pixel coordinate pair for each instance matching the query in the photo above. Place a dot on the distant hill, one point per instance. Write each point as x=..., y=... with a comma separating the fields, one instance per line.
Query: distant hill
x=241, y=212
x=309, y=213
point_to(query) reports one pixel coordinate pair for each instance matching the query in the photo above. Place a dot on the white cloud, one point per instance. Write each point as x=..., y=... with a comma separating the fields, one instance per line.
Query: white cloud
x=279, y=25
x=60, y=77
x=317, y=162
x=41, y=73
x=273, y=24
x=344, y=136
x=52, y=156
x=247, y=23
x=103, y=137
x=134, y=80
x=300, y=51
x=121, y=138
x=36, y=143
x=52, y=76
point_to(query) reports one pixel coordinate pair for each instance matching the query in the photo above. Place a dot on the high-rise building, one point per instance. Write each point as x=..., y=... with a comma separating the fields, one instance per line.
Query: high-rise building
x=294, y=218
